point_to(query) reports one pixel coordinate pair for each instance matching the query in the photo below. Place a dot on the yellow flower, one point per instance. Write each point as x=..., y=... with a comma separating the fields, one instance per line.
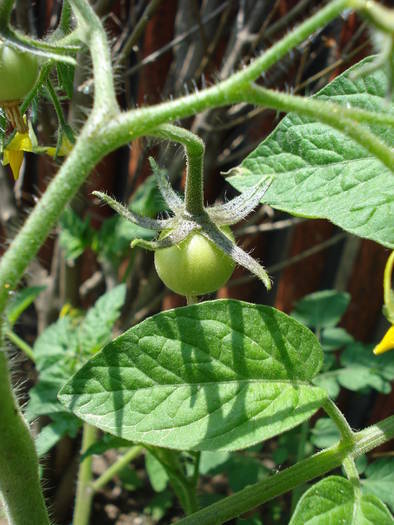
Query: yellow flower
x=65, y=148
x=387, y=343
x=14, y=151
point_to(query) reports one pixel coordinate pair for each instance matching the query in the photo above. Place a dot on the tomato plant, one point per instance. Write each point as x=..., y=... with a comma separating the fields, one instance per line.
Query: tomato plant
x=194, y=388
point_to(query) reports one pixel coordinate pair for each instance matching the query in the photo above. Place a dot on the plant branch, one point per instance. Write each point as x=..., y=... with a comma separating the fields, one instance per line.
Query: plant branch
x=21, y=344
x=116, y=467
x=84, y=496
x=306, y=470
x=194, y=146
x=340, y=421
x=93, y=34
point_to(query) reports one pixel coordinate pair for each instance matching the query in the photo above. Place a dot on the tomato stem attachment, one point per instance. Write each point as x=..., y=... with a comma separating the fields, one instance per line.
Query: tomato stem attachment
x=13, y=114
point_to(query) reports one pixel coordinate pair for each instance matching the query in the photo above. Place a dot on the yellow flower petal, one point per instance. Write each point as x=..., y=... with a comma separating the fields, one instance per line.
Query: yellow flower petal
x=21, y=142
x=65, y=148
x=387, y=343
x=14, y=159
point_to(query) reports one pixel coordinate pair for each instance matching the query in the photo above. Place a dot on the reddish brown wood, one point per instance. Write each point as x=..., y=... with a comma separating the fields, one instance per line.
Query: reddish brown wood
x=304, y=277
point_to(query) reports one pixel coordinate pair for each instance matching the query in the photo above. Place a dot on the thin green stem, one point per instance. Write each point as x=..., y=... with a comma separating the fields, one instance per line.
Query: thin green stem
x=194, y=146
x=388, y=271
x=306, y=470
x=119, y=465
x=351, y=471
x=59, y=113
x=21, y=344
x=84, y=496
x=19, y=477
x=339, y=419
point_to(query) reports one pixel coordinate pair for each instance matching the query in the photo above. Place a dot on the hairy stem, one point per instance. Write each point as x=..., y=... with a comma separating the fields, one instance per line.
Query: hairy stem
x=339, y=419
x=194, y=146
x=306, y=470
x=84, y=496
x=19, y=478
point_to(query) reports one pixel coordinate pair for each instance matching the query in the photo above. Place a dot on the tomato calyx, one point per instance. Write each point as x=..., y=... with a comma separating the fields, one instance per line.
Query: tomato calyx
x=209, y=223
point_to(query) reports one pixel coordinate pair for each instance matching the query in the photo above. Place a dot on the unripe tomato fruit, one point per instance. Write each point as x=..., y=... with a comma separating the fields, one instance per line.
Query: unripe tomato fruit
x=18, y=73
x=195, y=266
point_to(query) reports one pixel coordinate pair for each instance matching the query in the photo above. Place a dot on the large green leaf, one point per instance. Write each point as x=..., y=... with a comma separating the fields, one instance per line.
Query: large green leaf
x=334, y=500
x=217, y=375
x=319, y=172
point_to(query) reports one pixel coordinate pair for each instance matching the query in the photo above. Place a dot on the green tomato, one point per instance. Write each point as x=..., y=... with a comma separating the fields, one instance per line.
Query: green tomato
x=18, y=73
x=195, y=266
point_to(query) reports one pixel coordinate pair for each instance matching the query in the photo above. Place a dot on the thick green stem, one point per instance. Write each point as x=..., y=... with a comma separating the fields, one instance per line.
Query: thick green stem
x=114, y=469
x=194, y=146
x=84, y=496
x=306, y=470
x=19, y=478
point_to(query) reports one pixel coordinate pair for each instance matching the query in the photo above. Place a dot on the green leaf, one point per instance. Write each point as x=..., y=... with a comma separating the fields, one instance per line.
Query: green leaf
x=106, y=442
x=55, y=352
x=211, y=462
x=329, y=383
x=156, y=472
x=325, y=433
x=62, y=424
x=318, y=172
x=380, y=480
x=159, y=504
x=75, y=234
x=321, y=309
x=335, y=338
x=334, y=501
x=217, y=375
x=65, y=75
x=20, y=301
x=95, y=330
x=362, y=369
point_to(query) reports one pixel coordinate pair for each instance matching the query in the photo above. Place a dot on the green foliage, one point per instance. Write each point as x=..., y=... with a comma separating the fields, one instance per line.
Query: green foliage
x=321, y=309
x=156, y=472
x=325, y=433
x=217, y=375
x=59, y=352
x=335, y=500
x=20, y=301
x=319, y=172
x=379, y=480
x=75, y=234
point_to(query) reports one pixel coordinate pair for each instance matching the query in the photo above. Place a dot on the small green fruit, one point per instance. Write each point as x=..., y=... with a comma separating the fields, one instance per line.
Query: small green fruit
x=195, y=266
x=18, y=73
